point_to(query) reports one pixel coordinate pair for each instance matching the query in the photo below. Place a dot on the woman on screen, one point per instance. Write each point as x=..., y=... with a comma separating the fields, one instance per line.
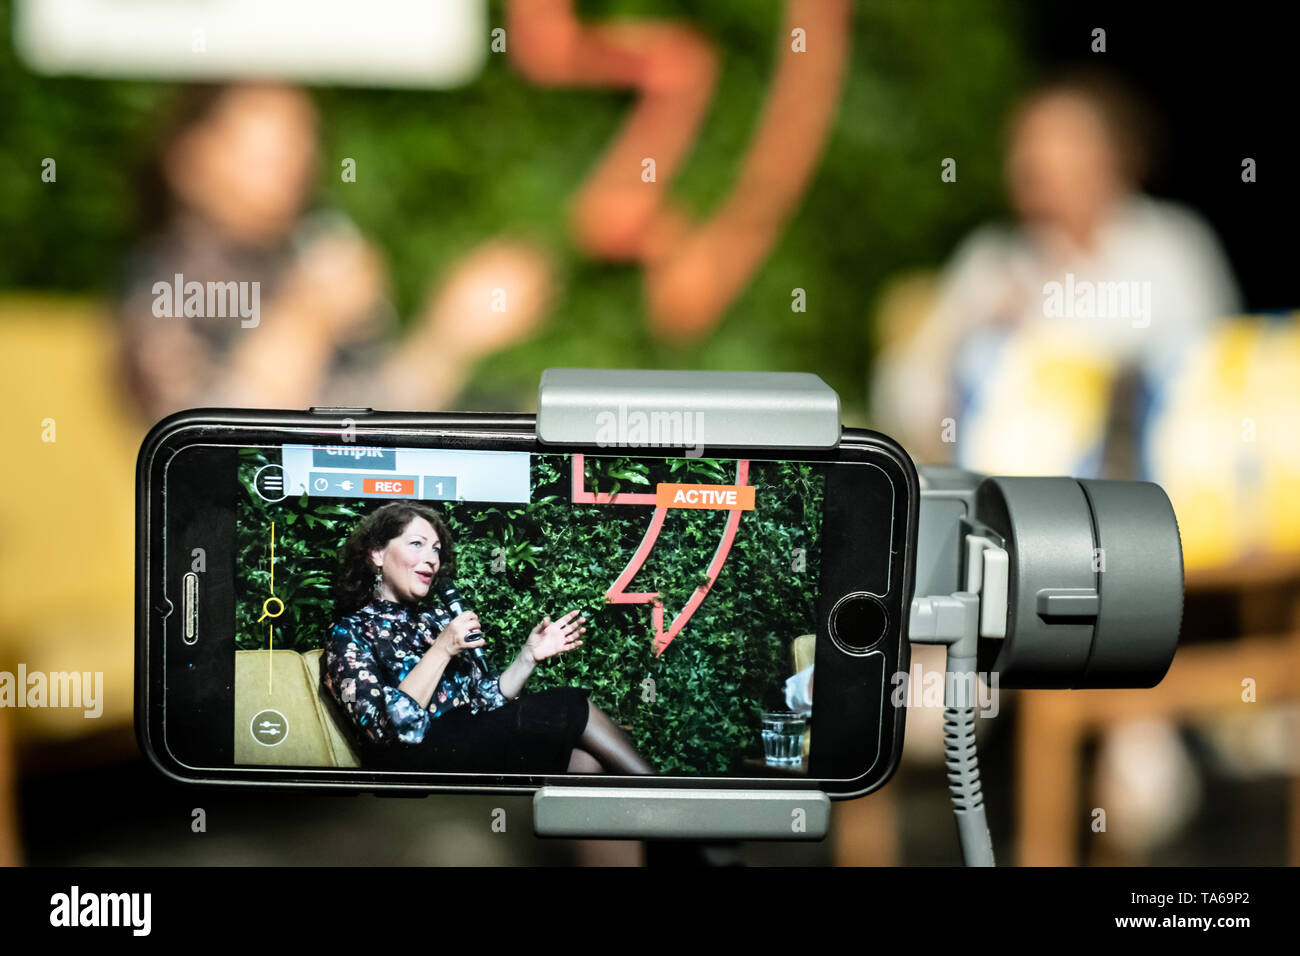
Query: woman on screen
x=416, y=694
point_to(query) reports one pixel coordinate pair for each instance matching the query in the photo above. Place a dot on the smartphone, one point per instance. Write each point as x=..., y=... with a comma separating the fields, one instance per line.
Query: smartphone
x=644, y=616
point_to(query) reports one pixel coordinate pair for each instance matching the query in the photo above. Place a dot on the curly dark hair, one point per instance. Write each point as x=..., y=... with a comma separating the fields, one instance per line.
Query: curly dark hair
x=355, y=585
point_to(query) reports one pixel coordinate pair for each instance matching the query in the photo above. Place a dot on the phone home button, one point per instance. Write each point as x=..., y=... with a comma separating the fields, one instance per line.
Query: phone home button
x=858, y=622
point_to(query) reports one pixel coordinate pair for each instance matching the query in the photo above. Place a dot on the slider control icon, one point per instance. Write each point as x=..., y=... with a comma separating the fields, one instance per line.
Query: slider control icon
x=269, y=727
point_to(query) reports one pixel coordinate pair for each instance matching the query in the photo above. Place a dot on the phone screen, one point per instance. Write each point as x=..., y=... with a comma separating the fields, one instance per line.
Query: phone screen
x=450, y=603
x=658, y=615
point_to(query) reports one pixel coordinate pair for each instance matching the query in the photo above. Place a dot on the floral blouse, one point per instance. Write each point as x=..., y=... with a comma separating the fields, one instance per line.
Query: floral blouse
x=370, y=652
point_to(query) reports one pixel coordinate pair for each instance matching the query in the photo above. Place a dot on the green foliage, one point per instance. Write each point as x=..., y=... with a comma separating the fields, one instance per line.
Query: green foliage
x=441, y=170
x=712, y=681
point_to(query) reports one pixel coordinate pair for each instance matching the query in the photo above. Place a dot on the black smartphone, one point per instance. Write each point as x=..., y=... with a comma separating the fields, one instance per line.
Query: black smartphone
x=367, y=600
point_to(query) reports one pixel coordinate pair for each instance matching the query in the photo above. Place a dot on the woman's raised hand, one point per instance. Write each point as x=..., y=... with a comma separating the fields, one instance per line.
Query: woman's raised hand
x=555, y=637
x=452, y=639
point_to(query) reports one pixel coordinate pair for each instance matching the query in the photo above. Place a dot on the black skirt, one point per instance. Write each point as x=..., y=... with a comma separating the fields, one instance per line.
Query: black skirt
x=534, y=734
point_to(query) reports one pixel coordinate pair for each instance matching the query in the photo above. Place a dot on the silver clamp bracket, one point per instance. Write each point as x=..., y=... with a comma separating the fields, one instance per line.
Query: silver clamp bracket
x=986, y=575
x=656, y=814
x=646, y=408
x=960, y=619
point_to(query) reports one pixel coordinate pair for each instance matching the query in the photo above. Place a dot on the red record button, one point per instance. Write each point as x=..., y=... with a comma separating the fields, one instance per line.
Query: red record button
x=388, y=486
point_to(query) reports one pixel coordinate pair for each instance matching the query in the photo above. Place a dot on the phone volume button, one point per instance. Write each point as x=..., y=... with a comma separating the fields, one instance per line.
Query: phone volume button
x=336, y=410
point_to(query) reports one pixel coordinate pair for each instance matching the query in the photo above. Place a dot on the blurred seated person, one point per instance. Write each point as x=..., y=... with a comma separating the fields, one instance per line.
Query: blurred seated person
x=228, y=188
x=1034, y=376
x=1077, y=150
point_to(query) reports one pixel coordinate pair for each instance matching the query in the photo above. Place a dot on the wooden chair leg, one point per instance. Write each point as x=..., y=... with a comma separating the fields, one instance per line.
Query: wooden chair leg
x=1293, y=731
x=865, y=831
x=1047, y=784
x=10, y=849
x=1293, y=847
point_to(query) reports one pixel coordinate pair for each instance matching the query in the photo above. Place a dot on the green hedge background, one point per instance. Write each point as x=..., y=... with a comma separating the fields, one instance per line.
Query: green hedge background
x=712, y=682
x=440, y=171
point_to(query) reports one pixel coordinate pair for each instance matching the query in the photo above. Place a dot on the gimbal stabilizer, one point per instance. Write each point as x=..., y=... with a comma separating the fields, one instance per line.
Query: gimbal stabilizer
x=1046, y=582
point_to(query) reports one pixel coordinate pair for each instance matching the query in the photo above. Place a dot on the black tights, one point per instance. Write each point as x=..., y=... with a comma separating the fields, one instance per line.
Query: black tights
x=605, y=748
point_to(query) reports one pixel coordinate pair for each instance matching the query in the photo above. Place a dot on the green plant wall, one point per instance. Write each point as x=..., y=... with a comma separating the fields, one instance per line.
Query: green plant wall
x=518, y=562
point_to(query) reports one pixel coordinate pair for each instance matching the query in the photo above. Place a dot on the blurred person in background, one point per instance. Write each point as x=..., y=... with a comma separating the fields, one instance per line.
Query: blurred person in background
x=1029, y=388
x=1077, y=151
x=225, y=200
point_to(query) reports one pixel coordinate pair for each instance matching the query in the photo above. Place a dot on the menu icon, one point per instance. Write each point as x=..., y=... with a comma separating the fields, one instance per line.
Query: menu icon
x=269, y=483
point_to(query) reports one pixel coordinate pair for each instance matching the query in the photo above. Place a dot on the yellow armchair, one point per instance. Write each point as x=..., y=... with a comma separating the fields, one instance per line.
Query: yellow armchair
x=67, y=513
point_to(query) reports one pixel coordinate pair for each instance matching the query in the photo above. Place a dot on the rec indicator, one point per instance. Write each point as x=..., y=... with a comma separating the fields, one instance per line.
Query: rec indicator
x=335, y=485
x=400, y=487
x=361, y=485
x=429, y=474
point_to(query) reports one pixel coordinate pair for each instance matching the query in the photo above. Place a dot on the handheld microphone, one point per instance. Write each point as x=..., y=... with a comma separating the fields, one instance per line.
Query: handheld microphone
x=451, y=597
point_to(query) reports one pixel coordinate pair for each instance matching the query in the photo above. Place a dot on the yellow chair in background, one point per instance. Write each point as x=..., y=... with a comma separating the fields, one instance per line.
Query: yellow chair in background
x=67, y=511
x=1224, y=443
x=802, y=654
x=67, y=520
